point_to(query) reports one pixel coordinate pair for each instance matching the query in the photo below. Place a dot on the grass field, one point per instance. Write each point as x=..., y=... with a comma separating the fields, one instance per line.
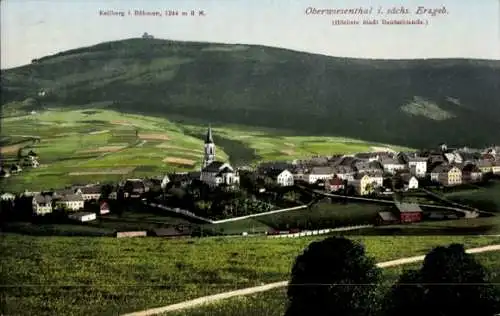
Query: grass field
x=273, y=302
x=464, y=226
x=133, y=218
x=97, y=144
x=485, y=198
x=107, y=276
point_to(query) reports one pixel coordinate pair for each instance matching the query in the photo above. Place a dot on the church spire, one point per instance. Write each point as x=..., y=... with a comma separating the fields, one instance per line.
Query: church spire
x=209, y=139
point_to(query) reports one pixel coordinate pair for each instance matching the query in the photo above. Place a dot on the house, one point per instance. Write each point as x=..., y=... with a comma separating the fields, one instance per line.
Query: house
x=365, y=184
x=134, y=188
x=164, y=182
x=391, y=165
x=447, y=175
x=42, y=204
x=453, y=158
x=485, y=165
x=179, y=179
x=83, y=216
x=410, y=182
x=495, y=167
x=367, y=156
x=283, y=178
x=418, y=166
x=4, y=173
x=7, y=197
x=104, y=208
x=471, y=173
x=435, y=158
x=113, y=195
x=344, y=172
x=72, y=202
x=319, y=173
x=153, y=184
x=334, y=184
x=386, y=218
x=409, y=212
x=263, y=167
x=90, y=193
x=364, y=166
x=15, y=168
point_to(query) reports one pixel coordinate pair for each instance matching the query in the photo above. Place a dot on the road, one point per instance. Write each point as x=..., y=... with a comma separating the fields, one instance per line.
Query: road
x=270, y=286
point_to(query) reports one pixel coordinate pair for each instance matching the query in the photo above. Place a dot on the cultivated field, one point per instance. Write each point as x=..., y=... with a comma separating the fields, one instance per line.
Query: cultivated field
x=75, y=142
x=179, y=161
x=109, y=276
x=269, y=144
x=273, y=302
x=79, y=146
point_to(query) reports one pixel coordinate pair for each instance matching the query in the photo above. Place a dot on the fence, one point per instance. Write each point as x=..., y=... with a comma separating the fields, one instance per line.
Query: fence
x=320, y=231
x=131, y=234
x=183, y=212
x=259, y=214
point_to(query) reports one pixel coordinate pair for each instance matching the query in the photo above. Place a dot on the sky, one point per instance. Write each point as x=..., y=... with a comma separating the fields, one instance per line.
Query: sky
x=469, y=29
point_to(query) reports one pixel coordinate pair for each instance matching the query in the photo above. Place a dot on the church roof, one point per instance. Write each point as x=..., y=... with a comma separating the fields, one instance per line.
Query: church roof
x=214, y=166
x=208, y=138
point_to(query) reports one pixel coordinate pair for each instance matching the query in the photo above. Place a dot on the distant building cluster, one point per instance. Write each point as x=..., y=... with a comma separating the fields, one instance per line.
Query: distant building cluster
x=367, y=172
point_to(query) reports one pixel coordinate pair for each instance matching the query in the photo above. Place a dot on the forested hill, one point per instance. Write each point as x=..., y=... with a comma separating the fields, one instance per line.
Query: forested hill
x=408, y=102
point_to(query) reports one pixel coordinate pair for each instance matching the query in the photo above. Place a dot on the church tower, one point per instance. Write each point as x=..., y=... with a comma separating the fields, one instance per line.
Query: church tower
x=209, y=152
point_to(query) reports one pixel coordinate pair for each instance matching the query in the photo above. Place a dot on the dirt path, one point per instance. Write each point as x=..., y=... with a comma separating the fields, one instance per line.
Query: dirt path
x=270, y=286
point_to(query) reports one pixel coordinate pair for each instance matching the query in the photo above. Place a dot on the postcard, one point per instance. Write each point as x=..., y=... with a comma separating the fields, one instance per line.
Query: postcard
x=271, y=157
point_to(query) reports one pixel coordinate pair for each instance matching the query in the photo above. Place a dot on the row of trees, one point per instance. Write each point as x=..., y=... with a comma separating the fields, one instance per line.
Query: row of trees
x=335, y=277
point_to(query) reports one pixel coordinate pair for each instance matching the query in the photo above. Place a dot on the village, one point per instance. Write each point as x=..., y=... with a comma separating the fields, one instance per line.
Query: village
x=220, y=191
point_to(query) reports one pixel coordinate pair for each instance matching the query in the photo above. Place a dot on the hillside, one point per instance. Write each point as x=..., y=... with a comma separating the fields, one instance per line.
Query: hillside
x=411, y=103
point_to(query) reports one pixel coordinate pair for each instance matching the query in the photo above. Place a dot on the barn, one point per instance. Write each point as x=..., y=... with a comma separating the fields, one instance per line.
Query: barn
x=409, y=212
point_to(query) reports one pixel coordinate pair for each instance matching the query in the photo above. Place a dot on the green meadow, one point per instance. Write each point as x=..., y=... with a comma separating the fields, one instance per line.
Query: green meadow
x=273, y=302
x=98, y=144
x=110, y=276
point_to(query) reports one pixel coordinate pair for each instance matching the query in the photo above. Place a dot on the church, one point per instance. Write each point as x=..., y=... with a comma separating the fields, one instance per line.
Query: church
x=213, y=172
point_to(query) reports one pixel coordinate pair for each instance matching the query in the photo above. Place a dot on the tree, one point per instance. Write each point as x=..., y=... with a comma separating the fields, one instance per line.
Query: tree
x=106, y=190
x=333, y=277
x=452, y=282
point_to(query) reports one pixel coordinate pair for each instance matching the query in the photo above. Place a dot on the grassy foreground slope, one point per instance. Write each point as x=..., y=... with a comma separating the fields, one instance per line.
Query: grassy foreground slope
x=106, y=276
x=398, y=102
x=100, y=144
x=273, y=303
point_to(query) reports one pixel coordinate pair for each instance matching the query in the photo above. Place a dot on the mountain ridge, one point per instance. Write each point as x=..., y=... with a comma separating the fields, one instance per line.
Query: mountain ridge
x=405, y=102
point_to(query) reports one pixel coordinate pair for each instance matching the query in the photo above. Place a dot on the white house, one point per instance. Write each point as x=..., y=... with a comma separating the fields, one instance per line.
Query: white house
x=83, y=216
x=7, y=197
x=90, y=193
x=410, y=182
x=418, y=166
x=42, y=204
x=283, y=178
x=72, y=202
